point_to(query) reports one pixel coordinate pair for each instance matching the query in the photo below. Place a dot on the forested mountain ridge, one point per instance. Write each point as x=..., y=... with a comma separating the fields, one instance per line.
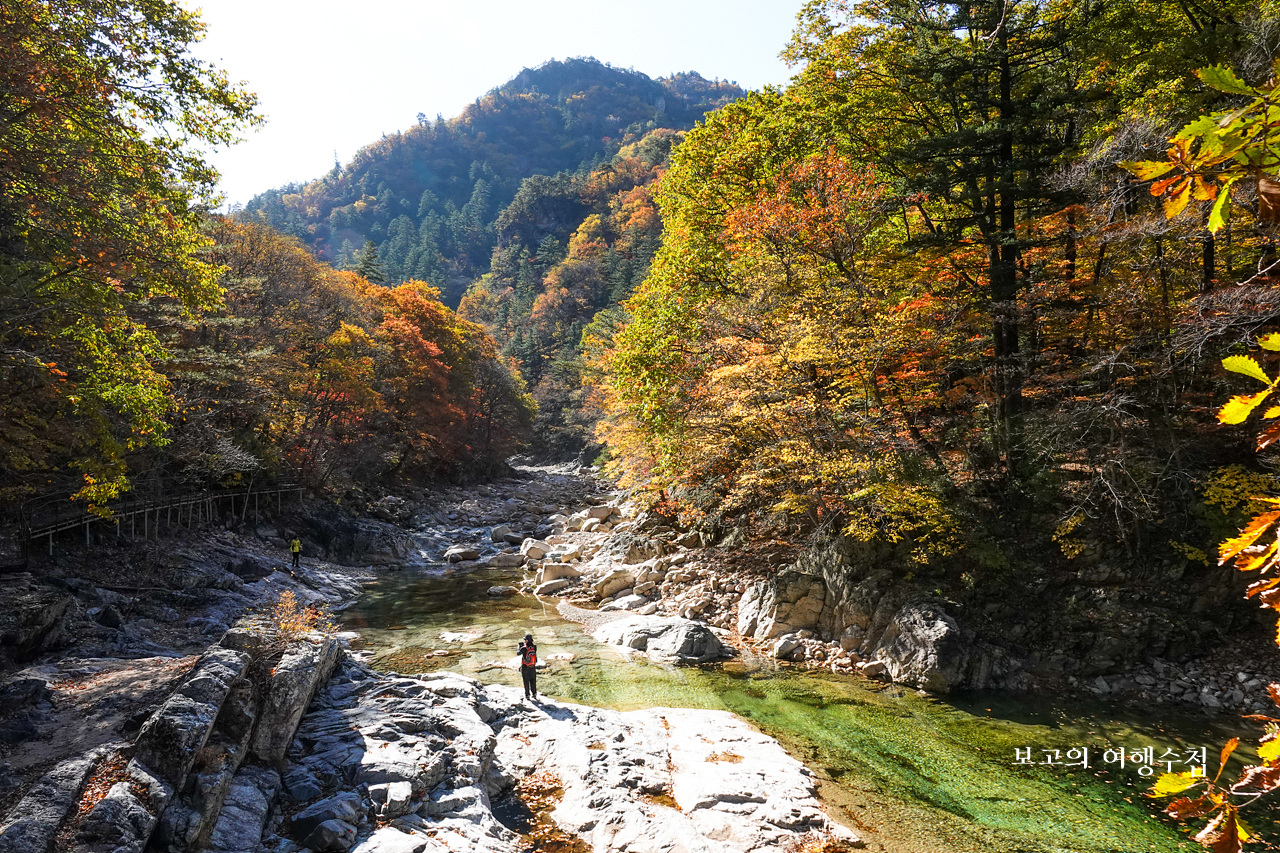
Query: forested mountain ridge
x=429, y=198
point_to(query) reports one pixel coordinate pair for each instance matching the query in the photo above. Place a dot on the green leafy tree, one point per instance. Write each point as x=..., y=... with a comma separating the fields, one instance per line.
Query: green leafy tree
x=102, y=194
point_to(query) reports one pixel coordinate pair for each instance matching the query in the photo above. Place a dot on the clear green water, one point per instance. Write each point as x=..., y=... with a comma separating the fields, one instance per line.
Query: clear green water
x=909, y=772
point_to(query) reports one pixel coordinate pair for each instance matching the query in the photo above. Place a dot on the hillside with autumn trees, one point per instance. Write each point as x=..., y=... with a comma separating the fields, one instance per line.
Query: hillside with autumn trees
x=915, y=299
x=430, y=199
x=148, y=346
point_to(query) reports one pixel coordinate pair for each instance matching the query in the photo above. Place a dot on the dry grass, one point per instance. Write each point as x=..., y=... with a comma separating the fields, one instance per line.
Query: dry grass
x=727, y=757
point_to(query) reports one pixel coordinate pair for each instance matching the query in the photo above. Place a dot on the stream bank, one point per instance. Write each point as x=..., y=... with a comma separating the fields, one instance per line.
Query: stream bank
x=76, y=705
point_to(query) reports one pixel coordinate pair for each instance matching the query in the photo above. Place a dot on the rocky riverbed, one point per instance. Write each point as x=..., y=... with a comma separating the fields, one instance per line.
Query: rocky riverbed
x=97, y=642
x=130, y=732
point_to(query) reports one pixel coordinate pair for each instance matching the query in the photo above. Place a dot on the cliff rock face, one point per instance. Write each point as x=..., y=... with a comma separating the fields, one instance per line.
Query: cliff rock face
x=864, y=606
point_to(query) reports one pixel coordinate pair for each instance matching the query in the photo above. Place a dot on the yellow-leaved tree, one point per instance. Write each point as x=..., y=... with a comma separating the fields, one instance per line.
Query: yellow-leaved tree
x=1206, y=161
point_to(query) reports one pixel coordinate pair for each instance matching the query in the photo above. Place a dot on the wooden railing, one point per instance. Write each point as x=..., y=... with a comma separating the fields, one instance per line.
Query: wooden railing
x=147, y=516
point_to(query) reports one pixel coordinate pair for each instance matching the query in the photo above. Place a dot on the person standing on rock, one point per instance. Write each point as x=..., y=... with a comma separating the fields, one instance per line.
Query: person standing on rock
x=295, y=547
x=528, y=652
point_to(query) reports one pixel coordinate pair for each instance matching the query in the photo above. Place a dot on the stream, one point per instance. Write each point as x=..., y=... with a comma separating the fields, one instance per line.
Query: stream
x=910, y=773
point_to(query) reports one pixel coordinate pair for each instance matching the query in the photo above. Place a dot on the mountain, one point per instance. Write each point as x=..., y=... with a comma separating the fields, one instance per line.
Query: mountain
x=430, y=199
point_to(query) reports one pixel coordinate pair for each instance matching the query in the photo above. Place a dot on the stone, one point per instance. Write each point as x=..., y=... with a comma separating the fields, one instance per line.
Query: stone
x=664, y=639
x=534, y=549
x=871, y=668
x=460, y=553
x=499, y=533
x=390, y=840
x=345, y=806
x=552, y=587
x=244, y=813
x=501, y=591
x=392, y=799
x=506, y=561
x=292, y=685
x=600, y=512
x=555, y=571
x=628, y=549
x=785, y=645
x=925, y=648
x=614, y=582
x=119, y=822
x=789, y=602
x=332, y=836
x=626, y=602
x=729, y=788
x=33, y=824
x=170, y=738
x=110, y=616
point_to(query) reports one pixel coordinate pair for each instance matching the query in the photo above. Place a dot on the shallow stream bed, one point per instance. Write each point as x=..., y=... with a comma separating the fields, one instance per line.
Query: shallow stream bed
x=910, y=773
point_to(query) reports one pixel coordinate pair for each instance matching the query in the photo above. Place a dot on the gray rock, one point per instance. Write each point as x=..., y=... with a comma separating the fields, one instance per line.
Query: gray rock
x=734, y=789
x=345, y=806
x=239, y=826
x=871, y=668
x=555, y=571
x=501, y=591
x=33, y=620
x=627, y=602
x=392, y=800
x=461, y=553
x=500, y=533
x=789, y=602
x=293, y=683
x=628, y=548
x=32, y=825
x=389, y=840
x=924, y=647
x=614, y=582
x=534, y=549
x=552, y=587
x=171, y=737
x=506, y=561
x=664, y=638
x=119, y=822
x=332, y=836
x=785, y=645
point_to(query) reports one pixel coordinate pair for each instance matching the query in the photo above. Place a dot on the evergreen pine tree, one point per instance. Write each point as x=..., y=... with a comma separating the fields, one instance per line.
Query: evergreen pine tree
x=368, y=265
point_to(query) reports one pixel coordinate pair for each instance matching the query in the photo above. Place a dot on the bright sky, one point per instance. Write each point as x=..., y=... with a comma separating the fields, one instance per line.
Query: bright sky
x=335, y=76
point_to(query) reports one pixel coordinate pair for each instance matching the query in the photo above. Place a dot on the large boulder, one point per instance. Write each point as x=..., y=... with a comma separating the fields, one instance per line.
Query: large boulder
x=293, y=682
x=727, y=788
x=374, y=543
x=33, y=620
x=556, y=571
x=534, y=549
x=665, y=639
x=171, y=737
x=245, y=812
x=925, y=648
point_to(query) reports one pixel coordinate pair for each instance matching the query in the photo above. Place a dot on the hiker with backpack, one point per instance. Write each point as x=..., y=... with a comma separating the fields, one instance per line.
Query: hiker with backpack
x=528, y=652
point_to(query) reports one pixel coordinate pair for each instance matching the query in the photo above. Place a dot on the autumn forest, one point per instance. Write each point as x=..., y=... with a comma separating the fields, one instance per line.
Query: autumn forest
x=988, y=292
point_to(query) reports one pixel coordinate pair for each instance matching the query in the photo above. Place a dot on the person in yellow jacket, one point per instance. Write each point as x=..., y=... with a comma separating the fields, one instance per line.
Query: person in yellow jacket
x=295, y=547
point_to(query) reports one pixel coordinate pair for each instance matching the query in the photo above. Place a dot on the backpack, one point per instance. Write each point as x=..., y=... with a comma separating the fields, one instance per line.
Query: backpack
x=529, y=655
